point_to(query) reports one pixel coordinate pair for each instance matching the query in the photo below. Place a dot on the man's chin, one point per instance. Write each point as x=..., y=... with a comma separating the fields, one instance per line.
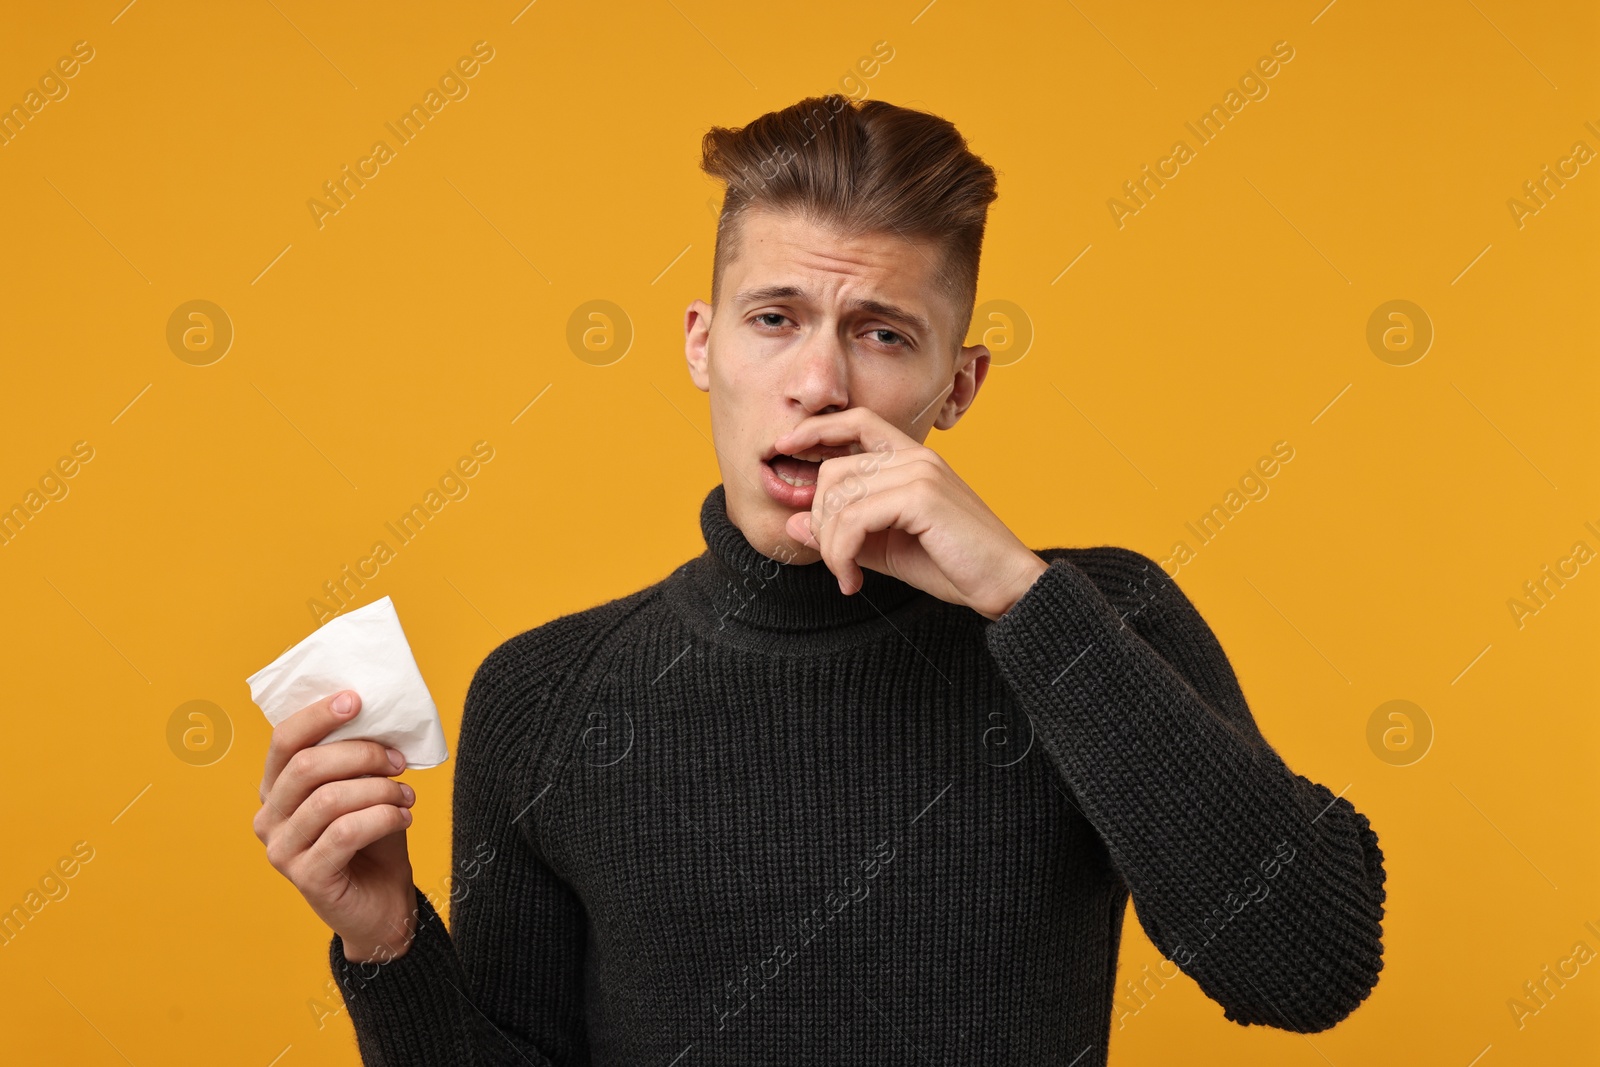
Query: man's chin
x=779, y=544
x=767, y=531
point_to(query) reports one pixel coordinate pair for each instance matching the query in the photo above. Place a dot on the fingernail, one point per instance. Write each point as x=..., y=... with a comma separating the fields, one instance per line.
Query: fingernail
x=405, y=816
x=397, y=759
x=407, y=792
x=343, y=703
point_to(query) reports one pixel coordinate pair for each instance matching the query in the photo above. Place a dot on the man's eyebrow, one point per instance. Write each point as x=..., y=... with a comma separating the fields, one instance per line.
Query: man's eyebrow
x=765, y=293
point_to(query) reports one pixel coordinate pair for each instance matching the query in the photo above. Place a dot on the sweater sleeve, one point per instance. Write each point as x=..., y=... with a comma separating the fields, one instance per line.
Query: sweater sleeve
x=504, y=985
x=1262, y=885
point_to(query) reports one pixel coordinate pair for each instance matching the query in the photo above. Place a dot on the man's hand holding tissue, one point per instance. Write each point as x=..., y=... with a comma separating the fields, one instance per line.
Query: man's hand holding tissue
x=334, y=824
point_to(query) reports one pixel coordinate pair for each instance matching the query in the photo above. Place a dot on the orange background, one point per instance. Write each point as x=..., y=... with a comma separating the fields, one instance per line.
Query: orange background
x=1228, y=314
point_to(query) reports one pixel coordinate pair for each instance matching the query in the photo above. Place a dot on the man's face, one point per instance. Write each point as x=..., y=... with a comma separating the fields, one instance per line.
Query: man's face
x=809, y=322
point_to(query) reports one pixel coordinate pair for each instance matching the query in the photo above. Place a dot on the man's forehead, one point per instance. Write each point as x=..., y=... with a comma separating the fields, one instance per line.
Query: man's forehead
x=784, y=257
x=788, y=236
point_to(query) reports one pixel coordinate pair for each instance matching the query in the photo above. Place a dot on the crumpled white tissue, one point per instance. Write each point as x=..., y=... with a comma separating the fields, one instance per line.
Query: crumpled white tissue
x=364, y=650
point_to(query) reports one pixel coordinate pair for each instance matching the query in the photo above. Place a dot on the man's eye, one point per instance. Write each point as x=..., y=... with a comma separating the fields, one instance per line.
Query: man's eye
x=770, y=315
x=899, y=342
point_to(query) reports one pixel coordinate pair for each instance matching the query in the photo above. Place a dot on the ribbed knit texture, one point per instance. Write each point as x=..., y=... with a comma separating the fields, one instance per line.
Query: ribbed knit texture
x=740, y=818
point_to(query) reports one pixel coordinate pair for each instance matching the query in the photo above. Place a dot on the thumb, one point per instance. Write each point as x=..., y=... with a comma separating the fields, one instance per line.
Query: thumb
x=799, y=528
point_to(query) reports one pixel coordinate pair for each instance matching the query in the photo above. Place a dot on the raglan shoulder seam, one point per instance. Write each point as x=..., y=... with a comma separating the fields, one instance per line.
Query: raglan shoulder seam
x=563, y=650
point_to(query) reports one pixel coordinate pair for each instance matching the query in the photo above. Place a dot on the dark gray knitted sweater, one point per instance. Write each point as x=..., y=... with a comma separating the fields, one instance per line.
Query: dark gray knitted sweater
x=740, y=818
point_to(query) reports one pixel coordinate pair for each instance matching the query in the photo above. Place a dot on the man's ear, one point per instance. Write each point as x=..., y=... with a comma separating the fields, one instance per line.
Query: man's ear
x=696, y=341
x=972, y=367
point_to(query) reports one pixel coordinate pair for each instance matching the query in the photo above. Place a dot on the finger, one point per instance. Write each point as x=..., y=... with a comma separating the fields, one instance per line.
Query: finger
x=834, y=491
x=863, y=425
x=335, y=799
x=798, y=526
x=901, y=507
x=304, y=728
x=344, y=837
x=844, y=479
x=313, y=767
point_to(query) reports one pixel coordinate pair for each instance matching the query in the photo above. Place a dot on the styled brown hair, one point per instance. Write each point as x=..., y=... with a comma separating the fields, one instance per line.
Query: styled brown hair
x=860, y=167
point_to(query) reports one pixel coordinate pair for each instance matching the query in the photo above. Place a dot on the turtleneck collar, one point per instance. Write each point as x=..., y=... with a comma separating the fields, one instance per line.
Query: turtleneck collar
x=736, y=591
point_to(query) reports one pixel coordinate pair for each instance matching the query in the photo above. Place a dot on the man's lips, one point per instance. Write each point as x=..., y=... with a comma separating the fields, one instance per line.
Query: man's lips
x=814, y=454
x=800, y=469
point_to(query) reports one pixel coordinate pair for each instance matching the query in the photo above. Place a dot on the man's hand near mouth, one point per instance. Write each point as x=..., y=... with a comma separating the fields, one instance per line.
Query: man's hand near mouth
x=911, y=517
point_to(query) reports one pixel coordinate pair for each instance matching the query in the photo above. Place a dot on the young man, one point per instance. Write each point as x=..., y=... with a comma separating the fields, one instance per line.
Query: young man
x=867, y=782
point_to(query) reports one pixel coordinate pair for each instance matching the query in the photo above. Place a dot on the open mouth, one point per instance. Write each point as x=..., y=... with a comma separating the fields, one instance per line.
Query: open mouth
x=800, y=470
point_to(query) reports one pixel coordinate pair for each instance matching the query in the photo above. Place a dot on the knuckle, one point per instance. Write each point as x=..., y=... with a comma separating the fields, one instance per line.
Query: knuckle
x=324, y=803
x=301, y=765
x=340, y=832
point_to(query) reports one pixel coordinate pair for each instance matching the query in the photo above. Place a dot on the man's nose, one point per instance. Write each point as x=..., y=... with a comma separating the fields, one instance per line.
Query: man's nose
x=819, y=380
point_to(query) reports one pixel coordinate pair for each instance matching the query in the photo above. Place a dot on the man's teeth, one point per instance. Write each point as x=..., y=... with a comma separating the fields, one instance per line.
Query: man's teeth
x=796, y=482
